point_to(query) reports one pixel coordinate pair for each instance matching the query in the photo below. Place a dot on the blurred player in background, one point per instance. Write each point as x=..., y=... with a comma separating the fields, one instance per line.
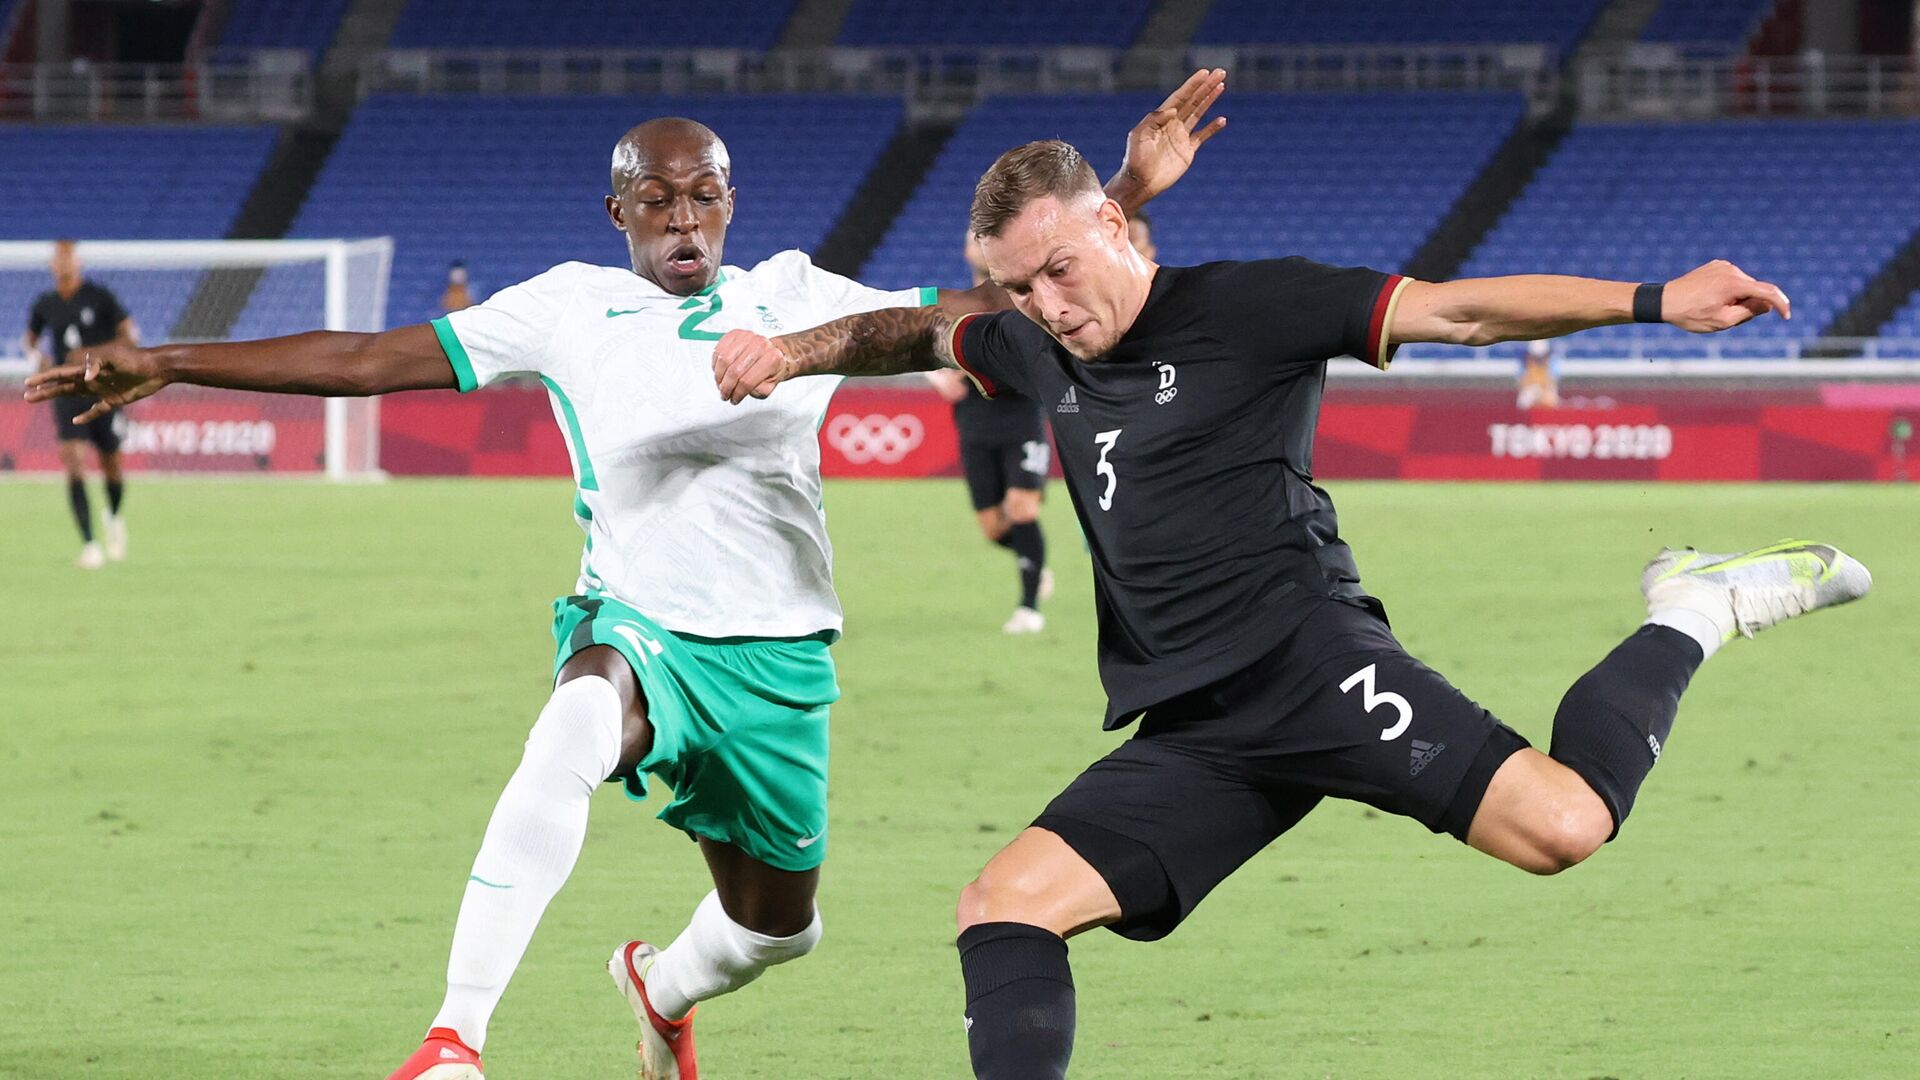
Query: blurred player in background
x=458, y=295
x=695, y=646
x=77, y=313
x=1139, y=234
x=1539, y=378
x=1004, y=454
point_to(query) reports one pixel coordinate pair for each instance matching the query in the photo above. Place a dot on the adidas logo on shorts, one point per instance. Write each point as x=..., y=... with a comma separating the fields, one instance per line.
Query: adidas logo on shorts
x=1423, y=752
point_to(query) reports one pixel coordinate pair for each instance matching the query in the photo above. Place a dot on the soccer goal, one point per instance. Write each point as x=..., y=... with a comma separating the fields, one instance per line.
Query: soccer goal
x=210, y=290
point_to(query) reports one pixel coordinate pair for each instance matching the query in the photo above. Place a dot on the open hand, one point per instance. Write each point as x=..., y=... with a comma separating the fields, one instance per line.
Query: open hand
x=1718, y=296
x=1161, y=146
x=117, y=373
x=746, y=364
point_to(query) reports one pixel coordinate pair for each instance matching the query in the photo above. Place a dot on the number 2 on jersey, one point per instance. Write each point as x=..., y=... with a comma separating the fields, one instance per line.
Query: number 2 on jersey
x=1106, y=439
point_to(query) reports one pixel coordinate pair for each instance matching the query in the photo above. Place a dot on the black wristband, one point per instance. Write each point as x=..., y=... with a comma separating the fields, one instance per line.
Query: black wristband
x=1646, y=302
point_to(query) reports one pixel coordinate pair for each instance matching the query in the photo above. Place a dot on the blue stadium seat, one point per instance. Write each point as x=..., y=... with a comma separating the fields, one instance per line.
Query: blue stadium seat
x=512, y=186
x=1558, y=23
x=629, y=24
x=308, y=25
x=1805, y=204
x=1111, y=23
x=1723, y=23
x=1906, y=321
x=124, y=183
x=1344, y=178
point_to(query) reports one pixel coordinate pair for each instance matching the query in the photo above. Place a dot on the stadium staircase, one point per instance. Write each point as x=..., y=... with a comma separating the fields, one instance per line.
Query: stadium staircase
x=814, y=24
x=297, y=159
x=882, y=194
x=1617, y=27
x=1882, y=297
x=1500, y=183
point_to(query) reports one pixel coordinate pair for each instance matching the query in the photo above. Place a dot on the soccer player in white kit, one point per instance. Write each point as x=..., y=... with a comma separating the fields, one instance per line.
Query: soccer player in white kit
x=695, y=645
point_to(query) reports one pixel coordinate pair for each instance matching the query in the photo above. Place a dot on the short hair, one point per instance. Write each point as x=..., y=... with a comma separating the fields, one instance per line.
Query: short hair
x=1024, y=174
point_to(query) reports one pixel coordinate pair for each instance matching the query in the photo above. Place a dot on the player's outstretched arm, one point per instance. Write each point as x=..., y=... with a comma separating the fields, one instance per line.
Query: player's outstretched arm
x=323, y=363
x=1484, y=311
x=1161, y=146
x=884, y=342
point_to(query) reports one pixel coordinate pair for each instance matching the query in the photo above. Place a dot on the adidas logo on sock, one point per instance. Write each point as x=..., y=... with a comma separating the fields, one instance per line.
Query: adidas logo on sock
x=1423, y=752
x=1070, y=403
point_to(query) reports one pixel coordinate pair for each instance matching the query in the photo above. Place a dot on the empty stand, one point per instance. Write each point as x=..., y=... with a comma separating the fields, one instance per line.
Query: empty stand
x=1558, y=23
x=629, y=24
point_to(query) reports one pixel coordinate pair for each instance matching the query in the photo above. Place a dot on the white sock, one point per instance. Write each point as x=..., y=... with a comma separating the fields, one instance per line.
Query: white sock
x=1698, y=625
x=715, y=955
x=530, y=847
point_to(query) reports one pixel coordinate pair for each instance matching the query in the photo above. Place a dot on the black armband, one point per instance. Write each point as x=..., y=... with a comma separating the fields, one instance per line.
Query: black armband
x=1646, y=302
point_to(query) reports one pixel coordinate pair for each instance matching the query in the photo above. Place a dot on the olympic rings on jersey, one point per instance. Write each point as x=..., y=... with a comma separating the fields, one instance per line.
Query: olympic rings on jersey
x=866, y=439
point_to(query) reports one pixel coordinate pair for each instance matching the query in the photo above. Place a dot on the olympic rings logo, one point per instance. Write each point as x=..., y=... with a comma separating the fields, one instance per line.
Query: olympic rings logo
x=884, y=439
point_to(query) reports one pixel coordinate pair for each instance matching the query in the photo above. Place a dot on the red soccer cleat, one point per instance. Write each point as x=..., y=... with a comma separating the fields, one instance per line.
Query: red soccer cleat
x=442, y=1057
x=666, y=1046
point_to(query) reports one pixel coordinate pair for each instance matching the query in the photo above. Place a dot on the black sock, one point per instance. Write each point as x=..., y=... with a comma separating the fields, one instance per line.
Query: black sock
x=115, y=489
x=1614, y=720
x=1019, y=1001
x=82, y=510
x=1029, y=545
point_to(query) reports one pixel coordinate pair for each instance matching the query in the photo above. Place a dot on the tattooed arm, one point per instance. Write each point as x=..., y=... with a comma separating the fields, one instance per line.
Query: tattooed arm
x=884, y=342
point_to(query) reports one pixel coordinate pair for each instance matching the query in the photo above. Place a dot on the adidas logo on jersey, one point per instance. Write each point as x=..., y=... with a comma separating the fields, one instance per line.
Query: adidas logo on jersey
x=1423, y=754
x=1070, y=403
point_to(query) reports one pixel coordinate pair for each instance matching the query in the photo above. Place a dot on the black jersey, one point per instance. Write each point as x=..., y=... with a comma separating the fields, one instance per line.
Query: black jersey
x=1005, y=418
x=90, y=317
x=1188, y=451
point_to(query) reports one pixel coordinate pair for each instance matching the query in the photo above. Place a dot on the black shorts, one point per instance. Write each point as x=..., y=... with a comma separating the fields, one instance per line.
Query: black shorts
x=993, y=468
x=100, y=430
x=1218, y=773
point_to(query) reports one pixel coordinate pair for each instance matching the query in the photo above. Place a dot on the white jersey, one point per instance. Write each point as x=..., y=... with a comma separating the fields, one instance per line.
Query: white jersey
x=704, y=516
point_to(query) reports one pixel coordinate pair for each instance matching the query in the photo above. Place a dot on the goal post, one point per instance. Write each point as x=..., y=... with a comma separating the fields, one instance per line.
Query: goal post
x=211, y=290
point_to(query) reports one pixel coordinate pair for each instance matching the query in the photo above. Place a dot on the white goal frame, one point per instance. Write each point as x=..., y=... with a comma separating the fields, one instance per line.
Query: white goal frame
x=352, y=424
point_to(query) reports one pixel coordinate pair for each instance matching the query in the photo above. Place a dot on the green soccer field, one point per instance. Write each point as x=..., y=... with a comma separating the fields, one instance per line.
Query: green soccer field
x=242, y=777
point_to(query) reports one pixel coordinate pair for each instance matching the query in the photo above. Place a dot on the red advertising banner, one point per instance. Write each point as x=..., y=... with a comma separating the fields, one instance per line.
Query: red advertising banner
x=1804, y=431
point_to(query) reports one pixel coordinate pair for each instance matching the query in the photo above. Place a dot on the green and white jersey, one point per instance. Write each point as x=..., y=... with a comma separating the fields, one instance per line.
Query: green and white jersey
x=704, y=516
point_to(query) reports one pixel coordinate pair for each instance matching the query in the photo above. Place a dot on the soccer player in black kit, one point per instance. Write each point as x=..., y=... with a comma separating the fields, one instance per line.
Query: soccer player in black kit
x=1004, y=455
x=1233, y=628
x=77, y=313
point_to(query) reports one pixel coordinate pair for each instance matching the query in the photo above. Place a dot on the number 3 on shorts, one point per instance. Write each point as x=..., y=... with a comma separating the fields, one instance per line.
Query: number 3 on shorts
x=1371, y=700
x=1106, y=439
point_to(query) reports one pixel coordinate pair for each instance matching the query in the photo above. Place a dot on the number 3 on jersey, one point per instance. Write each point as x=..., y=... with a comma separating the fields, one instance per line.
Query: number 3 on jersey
x=1106, y=439
x=1371, y=700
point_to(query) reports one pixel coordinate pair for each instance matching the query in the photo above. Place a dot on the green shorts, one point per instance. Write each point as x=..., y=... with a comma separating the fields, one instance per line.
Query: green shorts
x=739, y=727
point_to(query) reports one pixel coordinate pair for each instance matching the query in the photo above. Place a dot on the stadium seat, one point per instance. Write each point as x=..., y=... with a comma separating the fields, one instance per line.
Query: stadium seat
x=1344, y=178
x=630, y=24
x=308, y=25
x=1805, y=204
x=512, y=186
x=1397, y=22
x=1722, y=24
x=1111, y=23
x=124, y=183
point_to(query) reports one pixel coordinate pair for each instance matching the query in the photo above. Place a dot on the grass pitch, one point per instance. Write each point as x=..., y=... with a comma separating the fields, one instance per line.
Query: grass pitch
x=243, y=775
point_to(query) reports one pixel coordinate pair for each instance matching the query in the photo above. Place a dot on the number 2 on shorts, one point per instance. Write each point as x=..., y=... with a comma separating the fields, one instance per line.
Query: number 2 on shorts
x=1371, y=700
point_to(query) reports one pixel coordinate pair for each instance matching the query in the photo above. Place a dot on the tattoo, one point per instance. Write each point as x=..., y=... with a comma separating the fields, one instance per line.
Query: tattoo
x=884, y=342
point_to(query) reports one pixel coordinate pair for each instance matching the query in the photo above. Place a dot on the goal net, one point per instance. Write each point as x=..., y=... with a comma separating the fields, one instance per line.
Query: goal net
x=209, y=290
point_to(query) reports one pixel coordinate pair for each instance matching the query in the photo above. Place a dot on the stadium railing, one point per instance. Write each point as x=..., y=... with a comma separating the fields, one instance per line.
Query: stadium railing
x=957, y=73
x=1650, y=81
x=272, y=85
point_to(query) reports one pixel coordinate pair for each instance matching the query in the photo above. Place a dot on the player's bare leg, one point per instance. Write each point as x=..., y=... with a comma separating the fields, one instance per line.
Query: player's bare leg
x=756, y=917
x=1545, y=814
x=1020, y=533
x=74, y=463
x=116, y=525
x=1014, y=921
x=595, y=722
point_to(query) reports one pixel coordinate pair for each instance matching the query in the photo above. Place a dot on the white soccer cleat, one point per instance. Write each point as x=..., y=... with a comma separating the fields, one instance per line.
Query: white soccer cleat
x=116, y=538
x=90, y=557
x=666, y=1046
x=1748, y=591
x=1024, y=620
x=1045, y=592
